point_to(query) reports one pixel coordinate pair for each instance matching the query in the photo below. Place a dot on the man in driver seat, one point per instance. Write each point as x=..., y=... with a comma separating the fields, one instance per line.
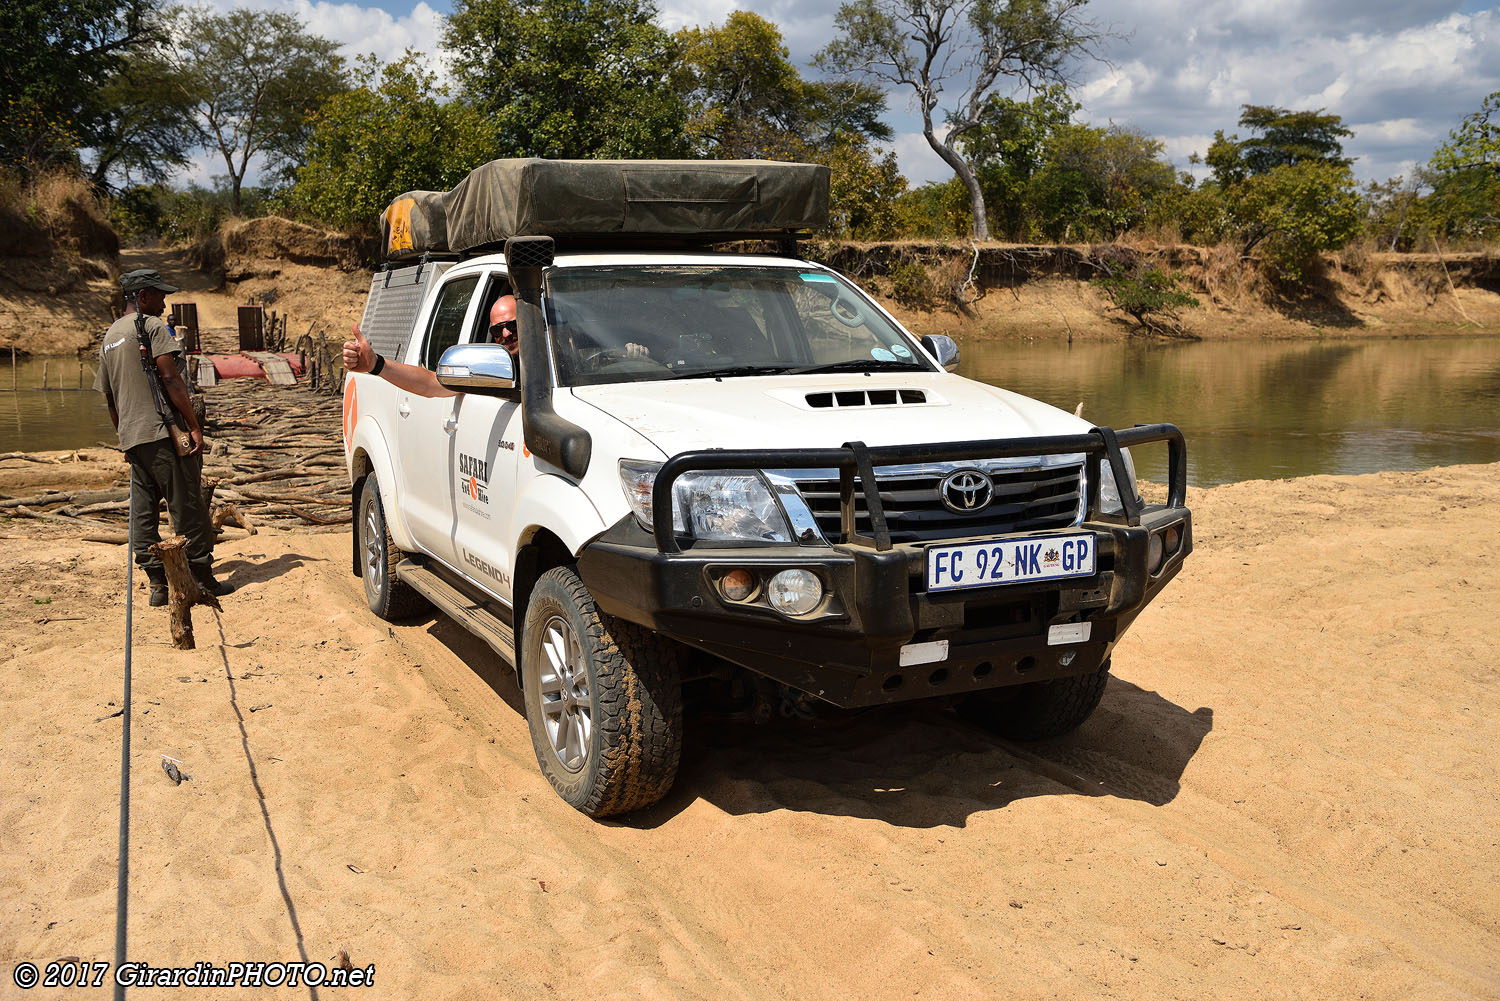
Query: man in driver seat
x=360, y=354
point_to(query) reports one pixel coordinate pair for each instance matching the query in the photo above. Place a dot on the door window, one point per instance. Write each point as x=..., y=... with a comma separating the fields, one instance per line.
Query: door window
x=448, y=318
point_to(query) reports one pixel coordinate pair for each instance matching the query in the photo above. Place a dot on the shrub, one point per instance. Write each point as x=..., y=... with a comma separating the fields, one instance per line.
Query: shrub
x=1148, y=294
x=911, y=285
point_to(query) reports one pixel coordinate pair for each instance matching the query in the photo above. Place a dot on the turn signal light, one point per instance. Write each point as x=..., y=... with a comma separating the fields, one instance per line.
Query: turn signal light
x=737, y=585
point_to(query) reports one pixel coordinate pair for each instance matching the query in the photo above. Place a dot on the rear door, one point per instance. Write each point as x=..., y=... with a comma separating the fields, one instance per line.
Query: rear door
x=425, y=427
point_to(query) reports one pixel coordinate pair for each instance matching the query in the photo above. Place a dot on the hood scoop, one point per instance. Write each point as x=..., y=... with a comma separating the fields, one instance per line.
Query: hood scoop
x=842, y=399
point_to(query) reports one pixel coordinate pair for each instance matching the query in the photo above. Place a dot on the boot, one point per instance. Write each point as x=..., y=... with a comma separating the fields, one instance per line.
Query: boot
x=158, y=588
x=217, y=588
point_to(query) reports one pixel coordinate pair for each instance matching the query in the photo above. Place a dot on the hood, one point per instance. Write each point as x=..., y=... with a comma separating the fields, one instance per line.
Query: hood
x=824, y=411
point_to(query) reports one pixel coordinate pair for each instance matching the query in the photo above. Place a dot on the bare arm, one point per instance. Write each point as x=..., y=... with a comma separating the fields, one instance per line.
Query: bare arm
x=359, y=356
x=177, y=394
x=114, y=415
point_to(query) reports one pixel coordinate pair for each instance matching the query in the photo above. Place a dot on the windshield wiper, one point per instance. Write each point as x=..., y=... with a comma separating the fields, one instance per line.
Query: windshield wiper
x=732, y=370
x=855, y=365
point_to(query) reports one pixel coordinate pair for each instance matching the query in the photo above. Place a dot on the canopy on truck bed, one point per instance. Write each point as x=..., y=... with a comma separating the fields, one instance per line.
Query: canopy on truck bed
x=609, y=201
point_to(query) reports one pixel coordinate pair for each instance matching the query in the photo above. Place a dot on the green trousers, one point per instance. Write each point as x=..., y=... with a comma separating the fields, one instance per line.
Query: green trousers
x=157, y=473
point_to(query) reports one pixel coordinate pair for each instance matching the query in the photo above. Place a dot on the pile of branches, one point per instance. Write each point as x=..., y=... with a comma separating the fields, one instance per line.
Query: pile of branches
x=276, y=461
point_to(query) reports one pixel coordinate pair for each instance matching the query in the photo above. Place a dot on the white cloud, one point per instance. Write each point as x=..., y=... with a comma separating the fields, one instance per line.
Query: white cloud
x=918, y=162
x=361, y=29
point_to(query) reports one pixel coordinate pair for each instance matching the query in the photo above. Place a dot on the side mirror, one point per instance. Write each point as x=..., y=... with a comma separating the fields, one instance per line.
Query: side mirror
x=942, y=347
x=487, y=369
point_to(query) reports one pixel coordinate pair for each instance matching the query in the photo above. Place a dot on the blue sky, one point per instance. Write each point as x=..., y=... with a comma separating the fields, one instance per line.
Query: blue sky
x=1401, y=73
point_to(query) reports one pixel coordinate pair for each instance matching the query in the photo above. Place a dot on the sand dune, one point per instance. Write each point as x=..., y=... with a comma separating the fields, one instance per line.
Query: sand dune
x=1289, y=792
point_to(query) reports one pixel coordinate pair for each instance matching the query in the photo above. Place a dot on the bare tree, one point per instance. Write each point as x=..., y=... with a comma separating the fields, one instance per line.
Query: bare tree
x=974, y=46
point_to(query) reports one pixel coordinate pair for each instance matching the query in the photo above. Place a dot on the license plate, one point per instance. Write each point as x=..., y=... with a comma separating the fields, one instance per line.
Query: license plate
x=1011, y=561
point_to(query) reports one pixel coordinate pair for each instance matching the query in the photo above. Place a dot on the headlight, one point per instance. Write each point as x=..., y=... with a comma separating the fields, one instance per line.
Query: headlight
x=1109, y=492
x=732, y=506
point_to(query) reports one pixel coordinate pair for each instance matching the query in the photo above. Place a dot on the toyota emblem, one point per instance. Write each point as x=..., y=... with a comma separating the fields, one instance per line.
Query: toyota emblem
x=966, y=491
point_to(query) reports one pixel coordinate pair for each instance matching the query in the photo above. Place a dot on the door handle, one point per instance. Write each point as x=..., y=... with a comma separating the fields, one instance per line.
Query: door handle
x=404, y=409
x=450, y=425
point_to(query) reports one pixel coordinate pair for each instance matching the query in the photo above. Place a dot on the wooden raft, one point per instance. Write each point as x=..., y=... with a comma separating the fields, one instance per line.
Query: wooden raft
x=278, y=372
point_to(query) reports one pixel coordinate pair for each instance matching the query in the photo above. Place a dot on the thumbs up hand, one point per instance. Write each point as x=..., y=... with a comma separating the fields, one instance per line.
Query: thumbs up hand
x=359, y=355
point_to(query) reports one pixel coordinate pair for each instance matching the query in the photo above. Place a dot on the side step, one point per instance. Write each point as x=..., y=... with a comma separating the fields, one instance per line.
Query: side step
x=463, y=609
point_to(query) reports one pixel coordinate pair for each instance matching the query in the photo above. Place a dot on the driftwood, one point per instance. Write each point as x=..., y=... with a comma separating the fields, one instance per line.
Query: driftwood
x=26, y=512
x=182, y=589
x=227, y=513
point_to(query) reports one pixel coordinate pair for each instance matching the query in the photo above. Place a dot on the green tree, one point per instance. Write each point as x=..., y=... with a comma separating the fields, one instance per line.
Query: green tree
x=865, y=185
x=1008, y=148
x=1296, y=211
x=1102, y=180
x=56, y=59
x=1280, y=138
x=149, y=128
x=394, y=131
x=252, y=79
x=569, y=78
x=967, y=49
x=1476, y=143
x=746, y=99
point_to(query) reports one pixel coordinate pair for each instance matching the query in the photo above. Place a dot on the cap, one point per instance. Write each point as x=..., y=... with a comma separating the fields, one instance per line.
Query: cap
x=144, y=278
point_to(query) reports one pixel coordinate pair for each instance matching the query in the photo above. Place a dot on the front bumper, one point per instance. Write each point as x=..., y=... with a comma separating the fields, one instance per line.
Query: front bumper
x=849, y=652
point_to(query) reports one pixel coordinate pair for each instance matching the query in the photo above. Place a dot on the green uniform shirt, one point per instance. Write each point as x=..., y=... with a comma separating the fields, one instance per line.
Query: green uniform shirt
x=122, y=377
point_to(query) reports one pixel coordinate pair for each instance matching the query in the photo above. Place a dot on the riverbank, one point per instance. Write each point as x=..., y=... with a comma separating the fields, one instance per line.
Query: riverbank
x=1017, y=292
x=1288, y=791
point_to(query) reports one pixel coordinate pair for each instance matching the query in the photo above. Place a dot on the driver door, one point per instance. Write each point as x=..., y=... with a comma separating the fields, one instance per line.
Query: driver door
x=488, y=443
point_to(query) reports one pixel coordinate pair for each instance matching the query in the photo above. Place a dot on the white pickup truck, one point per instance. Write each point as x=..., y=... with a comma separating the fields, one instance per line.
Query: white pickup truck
x=737, y=475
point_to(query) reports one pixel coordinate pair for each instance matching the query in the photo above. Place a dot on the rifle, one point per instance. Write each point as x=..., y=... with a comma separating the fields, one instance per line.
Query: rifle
x=182, y=440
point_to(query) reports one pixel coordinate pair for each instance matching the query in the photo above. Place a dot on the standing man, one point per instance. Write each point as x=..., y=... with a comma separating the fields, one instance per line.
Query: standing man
x=136, y=407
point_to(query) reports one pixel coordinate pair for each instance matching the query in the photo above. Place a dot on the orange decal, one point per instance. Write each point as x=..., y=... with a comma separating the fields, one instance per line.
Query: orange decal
x=351, y=413
x=398, y=226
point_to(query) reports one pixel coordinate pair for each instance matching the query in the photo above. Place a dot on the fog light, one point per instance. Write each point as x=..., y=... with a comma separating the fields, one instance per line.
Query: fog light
x=737, y=585
x=795, y=592
x=1173, y=539
x=1154, y=553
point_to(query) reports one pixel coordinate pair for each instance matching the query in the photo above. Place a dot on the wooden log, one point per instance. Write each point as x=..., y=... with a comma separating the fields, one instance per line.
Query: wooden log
x=228, y=513
x=183, y=591
x=343, y=519
x=113, y=538
x=26, y=512
x=209, y=485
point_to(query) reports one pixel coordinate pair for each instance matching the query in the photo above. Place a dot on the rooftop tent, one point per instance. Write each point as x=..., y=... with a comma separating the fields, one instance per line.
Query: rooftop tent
x=615, y=200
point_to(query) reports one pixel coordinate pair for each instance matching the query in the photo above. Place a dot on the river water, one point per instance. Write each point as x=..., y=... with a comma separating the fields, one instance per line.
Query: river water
x=1273, y=409
x=1249, y=409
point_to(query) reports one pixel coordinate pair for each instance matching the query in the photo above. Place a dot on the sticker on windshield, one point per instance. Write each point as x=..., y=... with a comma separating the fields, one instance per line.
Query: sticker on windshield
x=808, y=276
x=902, y=350
x=881, y=354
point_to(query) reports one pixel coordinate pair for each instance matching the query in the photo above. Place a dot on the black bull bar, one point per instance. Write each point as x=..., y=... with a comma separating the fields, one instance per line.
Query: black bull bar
x=857, y=460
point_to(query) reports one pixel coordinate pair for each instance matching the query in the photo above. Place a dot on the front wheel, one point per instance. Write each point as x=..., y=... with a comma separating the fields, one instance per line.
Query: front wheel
x=1039, y=709
x=603, y=700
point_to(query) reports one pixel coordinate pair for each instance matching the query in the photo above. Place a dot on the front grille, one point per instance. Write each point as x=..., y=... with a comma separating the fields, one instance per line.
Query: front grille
x=1029, y=499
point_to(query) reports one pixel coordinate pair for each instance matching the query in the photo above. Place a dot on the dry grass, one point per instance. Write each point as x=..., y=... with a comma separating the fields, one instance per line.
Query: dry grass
x=55, y=210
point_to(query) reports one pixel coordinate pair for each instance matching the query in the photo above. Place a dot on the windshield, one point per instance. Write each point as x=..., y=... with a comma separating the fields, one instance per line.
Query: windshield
x=638, y=323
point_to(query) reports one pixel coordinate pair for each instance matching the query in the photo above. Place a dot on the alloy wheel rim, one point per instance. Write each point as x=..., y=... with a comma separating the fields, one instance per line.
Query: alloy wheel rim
x=374, y=558
x=563, y=690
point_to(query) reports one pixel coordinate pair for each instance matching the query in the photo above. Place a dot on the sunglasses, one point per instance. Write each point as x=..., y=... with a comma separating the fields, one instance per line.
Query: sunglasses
x=505, y=325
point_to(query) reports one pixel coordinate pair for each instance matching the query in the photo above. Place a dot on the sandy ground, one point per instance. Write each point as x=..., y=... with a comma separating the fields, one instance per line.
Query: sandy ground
x=1290, y=791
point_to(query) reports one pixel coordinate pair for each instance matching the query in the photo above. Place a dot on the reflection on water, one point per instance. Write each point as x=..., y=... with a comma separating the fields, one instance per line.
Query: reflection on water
x=1268, y=409
x=1250, y=409
x=36, y=420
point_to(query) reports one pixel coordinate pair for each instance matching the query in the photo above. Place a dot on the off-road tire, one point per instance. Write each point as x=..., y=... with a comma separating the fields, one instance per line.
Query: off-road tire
x=634, y=701
x=1037, y=710
x=388, y=596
